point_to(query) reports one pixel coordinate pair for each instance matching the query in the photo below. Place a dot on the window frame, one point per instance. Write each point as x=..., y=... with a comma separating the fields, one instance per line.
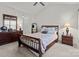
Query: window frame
x=9, y=17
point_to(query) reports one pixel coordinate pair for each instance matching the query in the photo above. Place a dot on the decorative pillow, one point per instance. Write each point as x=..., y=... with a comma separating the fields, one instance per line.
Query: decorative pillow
x=44, y=30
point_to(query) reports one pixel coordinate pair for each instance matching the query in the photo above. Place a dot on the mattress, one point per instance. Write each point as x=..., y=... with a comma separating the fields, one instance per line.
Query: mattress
x=45, y=39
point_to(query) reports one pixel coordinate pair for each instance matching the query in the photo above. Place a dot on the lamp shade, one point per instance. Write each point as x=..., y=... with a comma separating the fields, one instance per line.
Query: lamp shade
x=67, y=25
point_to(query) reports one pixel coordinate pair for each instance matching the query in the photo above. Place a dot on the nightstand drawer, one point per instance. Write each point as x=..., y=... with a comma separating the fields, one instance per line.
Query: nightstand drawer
x=67, y=39
x=68, y=43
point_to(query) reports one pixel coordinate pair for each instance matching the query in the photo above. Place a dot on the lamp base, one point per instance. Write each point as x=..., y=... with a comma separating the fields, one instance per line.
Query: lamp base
x=67, y=30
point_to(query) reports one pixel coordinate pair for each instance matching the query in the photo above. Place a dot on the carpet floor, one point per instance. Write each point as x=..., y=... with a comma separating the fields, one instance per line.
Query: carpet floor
x=57, y=50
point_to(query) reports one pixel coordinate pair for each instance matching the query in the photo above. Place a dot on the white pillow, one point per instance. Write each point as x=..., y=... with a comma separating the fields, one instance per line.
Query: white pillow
x=51, y=30
x=43, y=29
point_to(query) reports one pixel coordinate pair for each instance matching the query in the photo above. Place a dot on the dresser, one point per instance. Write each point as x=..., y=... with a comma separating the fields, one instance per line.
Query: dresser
x=67, y=40
x=8, y=37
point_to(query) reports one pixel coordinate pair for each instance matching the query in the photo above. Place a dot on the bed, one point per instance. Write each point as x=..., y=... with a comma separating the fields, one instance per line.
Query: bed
x=41, y=41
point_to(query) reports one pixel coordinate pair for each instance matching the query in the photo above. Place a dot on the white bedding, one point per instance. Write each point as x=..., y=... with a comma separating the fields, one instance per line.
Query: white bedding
x=46, y=39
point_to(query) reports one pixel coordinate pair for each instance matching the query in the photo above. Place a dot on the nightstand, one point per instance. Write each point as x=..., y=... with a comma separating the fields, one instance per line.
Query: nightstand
x=67, y=40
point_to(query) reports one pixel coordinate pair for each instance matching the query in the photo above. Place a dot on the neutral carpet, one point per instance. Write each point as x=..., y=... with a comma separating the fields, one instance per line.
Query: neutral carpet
x=57, y=50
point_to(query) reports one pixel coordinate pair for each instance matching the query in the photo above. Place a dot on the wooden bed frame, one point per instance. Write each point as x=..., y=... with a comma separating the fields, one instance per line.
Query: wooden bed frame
x=35, y=42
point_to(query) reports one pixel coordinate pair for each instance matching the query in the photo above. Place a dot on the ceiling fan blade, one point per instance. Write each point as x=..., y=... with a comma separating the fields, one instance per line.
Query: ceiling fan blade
x=35, y=3
x=42, y=4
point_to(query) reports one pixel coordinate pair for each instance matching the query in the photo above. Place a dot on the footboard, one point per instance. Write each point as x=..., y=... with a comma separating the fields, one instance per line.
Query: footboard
x=31, y=42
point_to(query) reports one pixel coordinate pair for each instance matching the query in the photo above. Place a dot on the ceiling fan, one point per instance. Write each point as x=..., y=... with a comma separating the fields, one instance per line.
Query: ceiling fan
x=39, y=2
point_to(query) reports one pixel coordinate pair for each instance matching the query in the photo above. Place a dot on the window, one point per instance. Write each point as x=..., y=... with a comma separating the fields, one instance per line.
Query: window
x=10, y=21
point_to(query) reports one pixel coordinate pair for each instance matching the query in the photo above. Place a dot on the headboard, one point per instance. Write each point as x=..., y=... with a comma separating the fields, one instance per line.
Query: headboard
x=52, y=26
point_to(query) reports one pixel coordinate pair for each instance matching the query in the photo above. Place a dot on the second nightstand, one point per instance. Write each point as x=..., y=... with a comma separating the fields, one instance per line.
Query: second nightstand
x=67, y=40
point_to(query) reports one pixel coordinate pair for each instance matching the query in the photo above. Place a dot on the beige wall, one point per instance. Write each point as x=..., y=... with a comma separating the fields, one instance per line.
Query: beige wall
x=59, y=14
x=10, y=11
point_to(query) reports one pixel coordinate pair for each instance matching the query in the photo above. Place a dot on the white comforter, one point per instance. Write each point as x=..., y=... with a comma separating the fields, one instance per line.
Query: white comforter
x=46, y=39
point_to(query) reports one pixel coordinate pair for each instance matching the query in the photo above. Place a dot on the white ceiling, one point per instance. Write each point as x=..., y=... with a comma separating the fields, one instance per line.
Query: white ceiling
x=28, y=8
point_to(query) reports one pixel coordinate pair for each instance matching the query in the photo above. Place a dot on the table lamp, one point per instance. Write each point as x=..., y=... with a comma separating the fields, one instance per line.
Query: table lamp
x=20, y=26
x=67, y=25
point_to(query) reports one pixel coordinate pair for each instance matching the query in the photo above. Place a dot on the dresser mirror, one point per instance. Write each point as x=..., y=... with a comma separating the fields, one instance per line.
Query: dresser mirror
x=34, y=28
